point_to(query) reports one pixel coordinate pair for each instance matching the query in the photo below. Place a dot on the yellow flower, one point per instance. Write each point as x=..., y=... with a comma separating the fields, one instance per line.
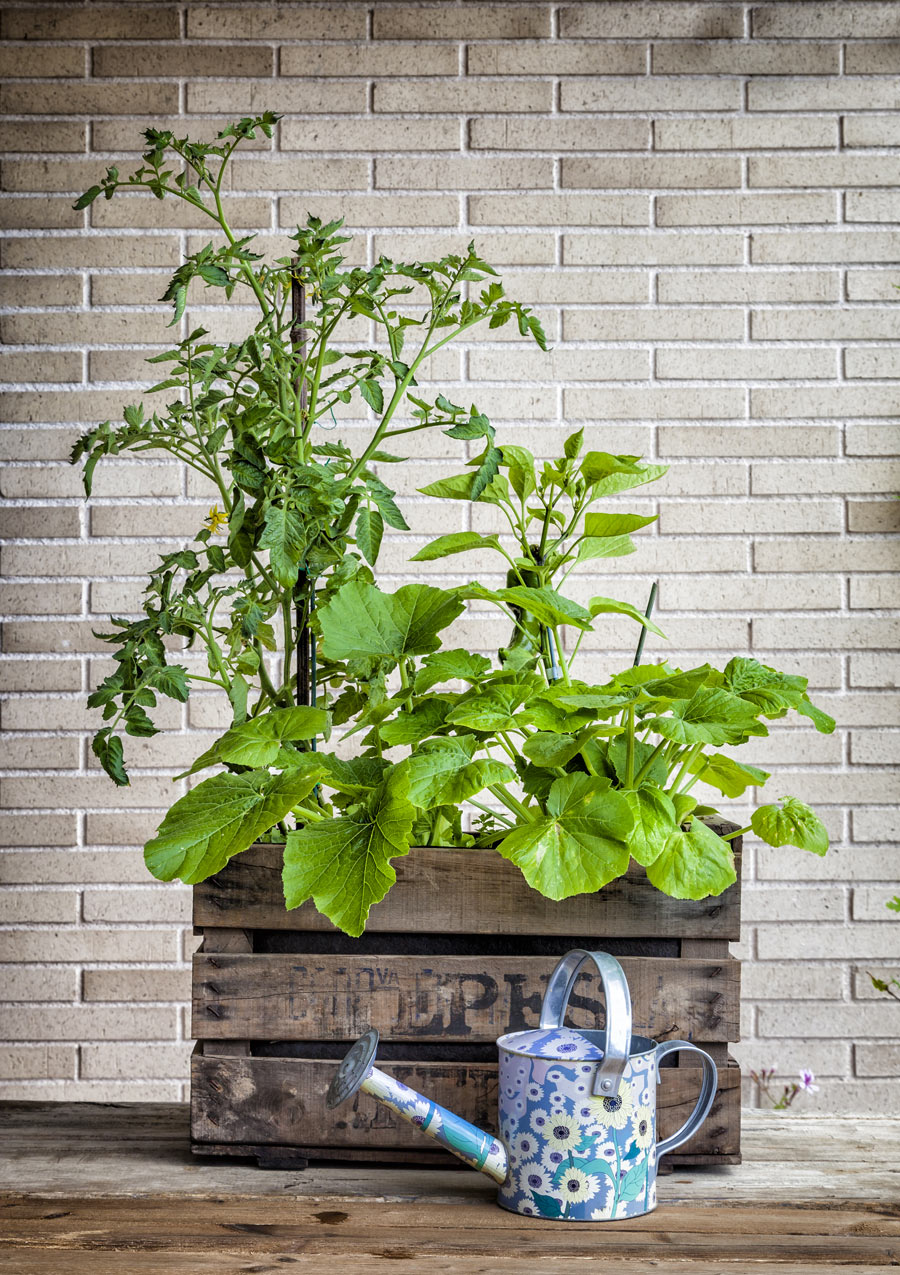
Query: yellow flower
x=615, y=1112
x=216, y=519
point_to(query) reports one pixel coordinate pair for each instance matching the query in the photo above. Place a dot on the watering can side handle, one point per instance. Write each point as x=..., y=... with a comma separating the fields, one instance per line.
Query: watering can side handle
x=617, y=1033
x=704, y=1102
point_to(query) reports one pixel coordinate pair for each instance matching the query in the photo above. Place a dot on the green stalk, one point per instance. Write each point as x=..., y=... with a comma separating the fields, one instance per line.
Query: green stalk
x=511, y=803
x=642, y=773
x=629, y=749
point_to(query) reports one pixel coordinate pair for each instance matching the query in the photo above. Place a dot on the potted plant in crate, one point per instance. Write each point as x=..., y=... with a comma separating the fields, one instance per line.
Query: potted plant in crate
x=571, y=782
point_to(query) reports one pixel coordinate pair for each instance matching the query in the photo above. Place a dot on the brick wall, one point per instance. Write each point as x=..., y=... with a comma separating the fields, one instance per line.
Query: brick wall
x=699, y=198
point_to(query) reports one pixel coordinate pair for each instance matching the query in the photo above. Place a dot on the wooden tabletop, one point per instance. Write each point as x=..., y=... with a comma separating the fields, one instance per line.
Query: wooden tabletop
x=94, y=1189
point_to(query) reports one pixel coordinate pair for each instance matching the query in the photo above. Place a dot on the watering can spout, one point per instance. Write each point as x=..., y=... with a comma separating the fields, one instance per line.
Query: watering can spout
x=478, y=1149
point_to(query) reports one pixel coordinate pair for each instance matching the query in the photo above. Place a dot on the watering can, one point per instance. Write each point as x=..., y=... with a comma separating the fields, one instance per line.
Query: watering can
x=577, y=1108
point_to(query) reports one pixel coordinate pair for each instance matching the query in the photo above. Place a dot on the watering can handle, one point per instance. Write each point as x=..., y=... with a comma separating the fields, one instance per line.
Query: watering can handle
x=617, y=1034
x=708, y=1088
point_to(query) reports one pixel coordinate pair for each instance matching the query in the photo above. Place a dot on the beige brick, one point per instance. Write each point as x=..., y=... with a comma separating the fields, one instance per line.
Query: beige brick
x=20, y=212
x=129, y=1022
x=877, y=1060
x=786, y=980
x=653, y=325
x=857, y=324
x=562, y=286
x=474, y=22
x=56, y=367
x=876, y=825
x=683, y=635
x=877, y=361
x=98, y=792
x=368, y=60
x=822, y=170
x=569, y=58
x=754, y=594
x=855, y=863
x=873, y=515
x=651, y=172
x=832, y=1019
x=37, y=599
x=37, y=983
x=149, y=1061
x=89, y=250
x=125, y=22
x=37, y=830
x=78, y=867
x=874, y=748
x=471, y=96
x=41, y=290
x=618, y=19
x=730, y=364
x=137, y=985
x=72, y=98
x=21, y=907
x=332, y=97
x=94, y=1091
x=27, y=135
x=872, y=205
x=744, y=210
x=374, y=211
x=22, y=61
x=871, y=285
x=463, y=173
x=870, y=669
x=836, y=246
x=37, y=1062
x=40, y=675
x=838, y=93
x=870, y=440
x=869, y=942
x=558, y=210
x=185, y=59
x=179, y=521
x=861, y=554
x=783, y=746
x=90, y=327
x=653, y=403
x=61, y=405
x=665, y=248
x=759, y=58
x=115, y=479
x=74, y=560
x=274, y=22
x=558, y=134
x=559, y=365
x=71, y=714
x=742, y=440
x=150, y=903
x=743, y=516
x=826, y=476
x=144, y=212
x=511, y=249
x=862, y=983
x=73, y=175
x=39, y=443
x=840, y=633
x=836, y=19
x=837, y=401
x=121, y=829
x=872, y=130
x=371, y=134
x=744, y=133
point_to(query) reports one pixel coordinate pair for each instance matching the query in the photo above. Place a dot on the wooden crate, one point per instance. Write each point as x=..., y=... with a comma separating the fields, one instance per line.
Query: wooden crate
x=458, y=953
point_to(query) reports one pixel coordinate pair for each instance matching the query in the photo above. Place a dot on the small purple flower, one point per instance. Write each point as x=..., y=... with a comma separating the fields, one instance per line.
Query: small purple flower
x=806, y=1082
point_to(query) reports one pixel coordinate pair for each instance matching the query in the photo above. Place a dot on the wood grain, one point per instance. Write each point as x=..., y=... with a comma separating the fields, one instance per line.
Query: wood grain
x=468, y=892
x=460, y=998
x=281, y=1101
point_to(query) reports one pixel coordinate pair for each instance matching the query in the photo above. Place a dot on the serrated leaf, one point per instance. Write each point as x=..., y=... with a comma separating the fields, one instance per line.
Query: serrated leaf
x=546, y=748
x=654, y=823
x=729, y=777
x=448, y=666
x=222, y=817
x=442, y=773
x=361, y=622
x=710, y=716
x=369, y=533
x=344, y=865
x=258, y=742
x=107, y=748
x=417, y=724
x=790, y=824
x=372, y=392
x=693, y=864
x=283, y=536
x=355, y=776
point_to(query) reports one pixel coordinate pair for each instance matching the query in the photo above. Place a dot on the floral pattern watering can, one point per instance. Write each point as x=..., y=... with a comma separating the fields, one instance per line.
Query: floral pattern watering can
x=577, y=1108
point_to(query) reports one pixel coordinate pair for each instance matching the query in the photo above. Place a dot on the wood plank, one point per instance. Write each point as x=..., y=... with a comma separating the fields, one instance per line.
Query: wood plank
x=227, y=940
x=468, y=892
x=448, y=998
x=281, y=1101
x=434, y=1229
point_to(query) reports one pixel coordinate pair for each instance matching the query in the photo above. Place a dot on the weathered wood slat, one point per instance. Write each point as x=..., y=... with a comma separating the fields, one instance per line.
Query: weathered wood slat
x=467, y=892
x=459, y=998
x=281, y=1101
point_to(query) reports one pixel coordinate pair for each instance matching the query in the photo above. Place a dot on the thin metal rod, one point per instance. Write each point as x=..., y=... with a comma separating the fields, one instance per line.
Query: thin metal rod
x=642, y=639
x=304, y=692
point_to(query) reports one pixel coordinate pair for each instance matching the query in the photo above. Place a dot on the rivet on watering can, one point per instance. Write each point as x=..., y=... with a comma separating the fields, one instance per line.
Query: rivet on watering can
x=606, y=1084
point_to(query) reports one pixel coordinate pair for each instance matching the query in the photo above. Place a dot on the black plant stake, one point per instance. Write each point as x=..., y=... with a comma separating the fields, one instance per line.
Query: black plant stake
x=650, y=603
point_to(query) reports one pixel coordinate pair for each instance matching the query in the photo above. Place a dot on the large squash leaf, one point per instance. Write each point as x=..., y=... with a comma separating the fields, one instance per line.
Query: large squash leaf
x=360, y=622
x=693, y=864
x=790, y=824
x=442, y=773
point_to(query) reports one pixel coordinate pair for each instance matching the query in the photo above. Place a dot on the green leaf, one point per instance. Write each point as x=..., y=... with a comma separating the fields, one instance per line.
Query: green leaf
x=223, y=816
x=107, y=748
x=460, y=487
x=491, y=710
x=412, y=727
x=448, y=666
x=710, y=716
x=598, y=465
x=654, y=823
x=545, y=748
x=384, y=499
x=693, y=864
x=604, y=547
x=442, y=772
x=455, y=542
x=579, y=846
x=573, y=444
x=172, y=681
x=258, y=742
x=486, y=471
x=617, y=752
x=545, y=604
x=612, y=484
x=605, y=606
x=601, y=524
x=355, y=777
x=344, y=865
x=730, y=777
x=548, y=1205
x=85, y=200
x=361, y=622
x=372, y=393
x=790, y=824
x=283, y=536
x=369, y=531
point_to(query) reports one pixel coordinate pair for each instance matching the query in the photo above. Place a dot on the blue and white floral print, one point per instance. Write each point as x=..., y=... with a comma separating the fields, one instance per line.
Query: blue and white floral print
x=575, y=1156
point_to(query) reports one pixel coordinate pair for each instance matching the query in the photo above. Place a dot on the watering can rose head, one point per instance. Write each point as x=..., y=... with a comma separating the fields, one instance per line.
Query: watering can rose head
x=577, y=1109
